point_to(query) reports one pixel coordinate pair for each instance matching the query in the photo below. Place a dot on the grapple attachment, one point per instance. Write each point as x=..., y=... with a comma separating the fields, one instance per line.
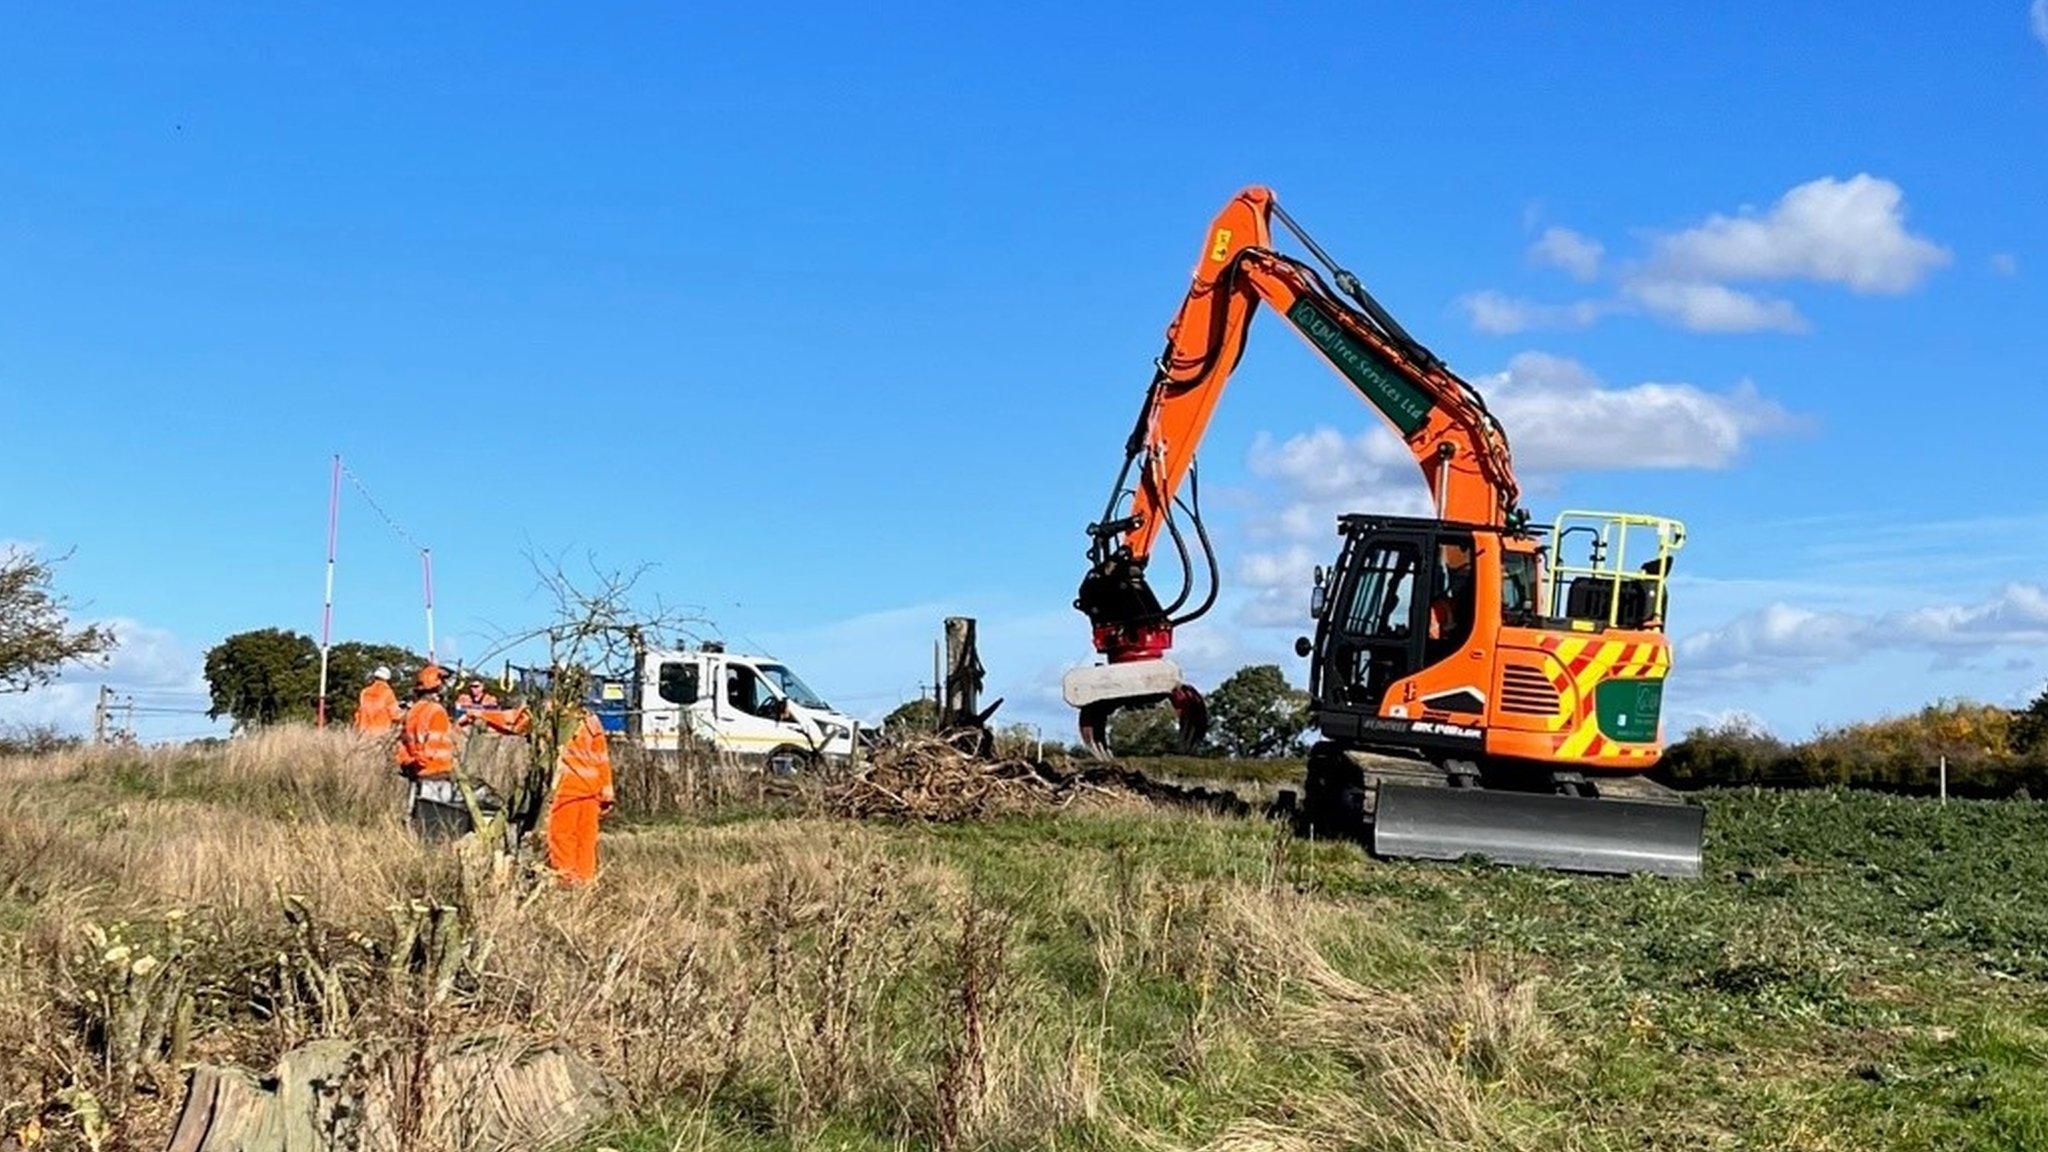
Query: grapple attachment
x=1099, y=691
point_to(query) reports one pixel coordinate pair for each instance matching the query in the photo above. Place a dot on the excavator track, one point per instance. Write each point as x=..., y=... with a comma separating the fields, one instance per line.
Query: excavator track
x=1402, y=808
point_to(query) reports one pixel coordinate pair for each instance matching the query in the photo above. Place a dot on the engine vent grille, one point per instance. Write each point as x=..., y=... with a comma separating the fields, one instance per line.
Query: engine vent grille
x=1527, y=690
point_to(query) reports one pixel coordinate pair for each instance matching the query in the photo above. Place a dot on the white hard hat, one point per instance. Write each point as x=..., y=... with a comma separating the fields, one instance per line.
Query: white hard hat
x=382, y=673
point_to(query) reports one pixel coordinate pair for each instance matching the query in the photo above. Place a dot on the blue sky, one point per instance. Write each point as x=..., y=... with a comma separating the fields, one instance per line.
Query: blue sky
x=838, y=320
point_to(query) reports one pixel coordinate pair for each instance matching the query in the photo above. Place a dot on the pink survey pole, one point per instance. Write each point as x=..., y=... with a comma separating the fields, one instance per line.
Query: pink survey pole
x=427, y=582
x=327, y=602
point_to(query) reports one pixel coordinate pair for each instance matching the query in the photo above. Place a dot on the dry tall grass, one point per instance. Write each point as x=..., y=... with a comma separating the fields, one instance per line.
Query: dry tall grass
x=775, y=975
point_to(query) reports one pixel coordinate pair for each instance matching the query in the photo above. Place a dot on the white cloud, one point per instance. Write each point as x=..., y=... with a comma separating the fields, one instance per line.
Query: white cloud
x=2037, y=18
x=2005, y=263
x=1549, y=402
x=1326, y=462
x=1311, y=479
x=1849, y=232
x=1322, y=474
x=1773, y=642
x=1279, y=581
x=2017, y=615
x=1497, y=314
x=1700, y=306
x=1782, y=640
x=149, y=663
x=1574, y=252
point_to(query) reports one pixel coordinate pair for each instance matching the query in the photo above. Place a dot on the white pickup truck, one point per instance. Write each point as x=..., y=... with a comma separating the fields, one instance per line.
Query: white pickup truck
x=752, y=706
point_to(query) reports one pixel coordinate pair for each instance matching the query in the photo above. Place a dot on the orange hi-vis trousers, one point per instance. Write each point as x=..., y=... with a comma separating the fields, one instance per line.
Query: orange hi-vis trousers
x=582, y=792
x=572, y=839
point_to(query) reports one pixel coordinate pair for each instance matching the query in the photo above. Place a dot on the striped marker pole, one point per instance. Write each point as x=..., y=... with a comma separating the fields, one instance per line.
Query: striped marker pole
x=327, y=604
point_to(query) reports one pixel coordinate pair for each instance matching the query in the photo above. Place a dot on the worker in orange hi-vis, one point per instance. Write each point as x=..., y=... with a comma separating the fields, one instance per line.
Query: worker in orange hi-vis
x=473, y=699
x=377, y=711
x=426, y=756
x=583, y=793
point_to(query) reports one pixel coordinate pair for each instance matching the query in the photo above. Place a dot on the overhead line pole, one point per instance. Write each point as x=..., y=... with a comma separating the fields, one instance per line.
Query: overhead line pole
x=327, y=603
x=99, y=715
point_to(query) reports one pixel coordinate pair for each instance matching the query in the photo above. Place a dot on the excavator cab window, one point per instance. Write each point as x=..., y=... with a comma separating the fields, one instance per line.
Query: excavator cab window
x=1455, y=588
x=1381, y=591
x=1375, y=636
x=1518, y=587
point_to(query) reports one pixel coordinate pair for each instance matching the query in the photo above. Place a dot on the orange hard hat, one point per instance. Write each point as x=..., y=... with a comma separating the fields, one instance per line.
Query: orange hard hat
x=430, y=677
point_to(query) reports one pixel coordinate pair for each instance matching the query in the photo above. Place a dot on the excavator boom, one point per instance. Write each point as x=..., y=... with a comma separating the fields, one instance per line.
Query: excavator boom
x=1459, y=446
x=1456, y=442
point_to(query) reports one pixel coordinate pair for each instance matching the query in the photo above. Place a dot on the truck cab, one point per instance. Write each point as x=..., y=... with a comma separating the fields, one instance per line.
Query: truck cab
x=751, y=706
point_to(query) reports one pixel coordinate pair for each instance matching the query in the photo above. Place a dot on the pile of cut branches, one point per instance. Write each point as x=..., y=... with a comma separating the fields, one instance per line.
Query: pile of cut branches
x=940, y=779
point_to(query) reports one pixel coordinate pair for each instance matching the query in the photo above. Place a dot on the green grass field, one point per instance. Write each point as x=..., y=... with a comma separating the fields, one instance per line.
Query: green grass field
x=1855, y=972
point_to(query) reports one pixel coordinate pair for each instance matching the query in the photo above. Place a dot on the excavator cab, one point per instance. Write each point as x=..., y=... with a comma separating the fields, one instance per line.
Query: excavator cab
x=1404, y=597
x=1471, y=703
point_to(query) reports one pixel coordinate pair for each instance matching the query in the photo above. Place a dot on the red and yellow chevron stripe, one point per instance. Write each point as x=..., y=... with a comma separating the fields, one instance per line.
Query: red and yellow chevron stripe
x=1586, y=663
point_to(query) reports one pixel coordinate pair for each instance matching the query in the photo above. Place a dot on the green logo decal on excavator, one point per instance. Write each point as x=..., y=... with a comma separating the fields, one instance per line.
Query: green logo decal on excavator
x=1628, y=709
x=1374, y=378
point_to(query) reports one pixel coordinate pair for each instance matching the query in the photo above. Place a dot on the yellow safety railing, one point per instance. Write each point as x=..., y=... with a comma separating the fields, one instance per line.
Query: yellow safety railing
x=1609, y=562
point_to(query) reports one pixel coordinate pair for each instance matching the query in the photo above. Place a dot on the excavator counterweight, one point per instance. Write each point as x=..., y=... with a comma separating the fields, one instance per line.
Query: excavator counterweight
x=1522, y=671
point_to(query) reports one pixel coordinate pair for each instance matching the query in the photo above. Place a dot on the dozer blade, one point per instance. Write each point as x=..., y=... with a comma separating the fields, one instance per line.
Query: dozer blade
x=1567, y=833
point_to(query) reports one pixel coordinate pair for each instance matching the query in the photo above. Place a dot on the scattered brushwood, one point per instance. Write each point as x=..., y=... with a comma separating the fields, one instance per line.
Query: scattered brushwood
x=1219, y=801
x=941, y=779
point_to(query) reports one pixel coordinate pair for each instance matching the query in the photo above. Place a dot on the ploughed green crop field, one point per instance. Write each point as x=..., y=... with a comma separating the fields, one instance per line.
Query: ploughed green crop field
x=1855, y=972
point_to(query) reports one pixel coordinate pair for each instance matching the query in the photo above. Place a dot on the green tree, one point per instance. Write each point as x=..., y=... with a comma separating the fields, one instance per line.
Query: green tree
x=2030, y=729
x=263, y=677
x=1150, y=731
x=919, y=715
x=349, y=665
x=1257, y=714
x=36, y=637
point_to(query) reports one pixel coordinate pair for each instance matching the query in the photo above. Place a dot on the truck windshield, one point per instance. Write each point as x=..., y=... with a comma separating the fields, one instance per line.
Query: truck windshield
x=795, y=689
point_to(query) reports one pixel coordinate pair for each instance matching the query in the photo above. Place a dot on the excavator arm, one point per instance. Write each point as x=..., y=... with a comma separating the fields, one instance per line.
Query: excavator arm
x=1459, y=446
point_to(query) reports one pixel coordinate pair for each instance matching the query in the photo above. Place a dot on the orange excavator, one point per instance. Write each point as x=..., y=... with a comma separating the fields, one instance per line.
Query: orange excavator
x=1477, y=690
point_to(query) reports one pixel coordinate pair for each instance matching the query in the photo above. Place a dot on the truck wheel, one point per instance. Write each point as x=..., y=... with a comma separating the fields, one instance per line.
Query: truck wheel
x=789, y=760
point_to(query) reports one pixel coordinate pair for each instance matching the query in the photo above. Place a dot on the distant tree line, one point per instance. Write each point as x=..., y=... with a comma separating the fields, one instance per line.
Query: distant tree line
x=1991, y=751
x=271, y=676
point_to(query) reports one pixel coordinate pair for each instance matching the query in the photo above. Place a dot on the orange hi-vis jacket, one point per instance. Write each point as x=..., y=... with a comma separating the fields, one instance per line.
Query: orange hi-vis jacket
x=377, y=708
x=586, y=764
x=426, y=745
